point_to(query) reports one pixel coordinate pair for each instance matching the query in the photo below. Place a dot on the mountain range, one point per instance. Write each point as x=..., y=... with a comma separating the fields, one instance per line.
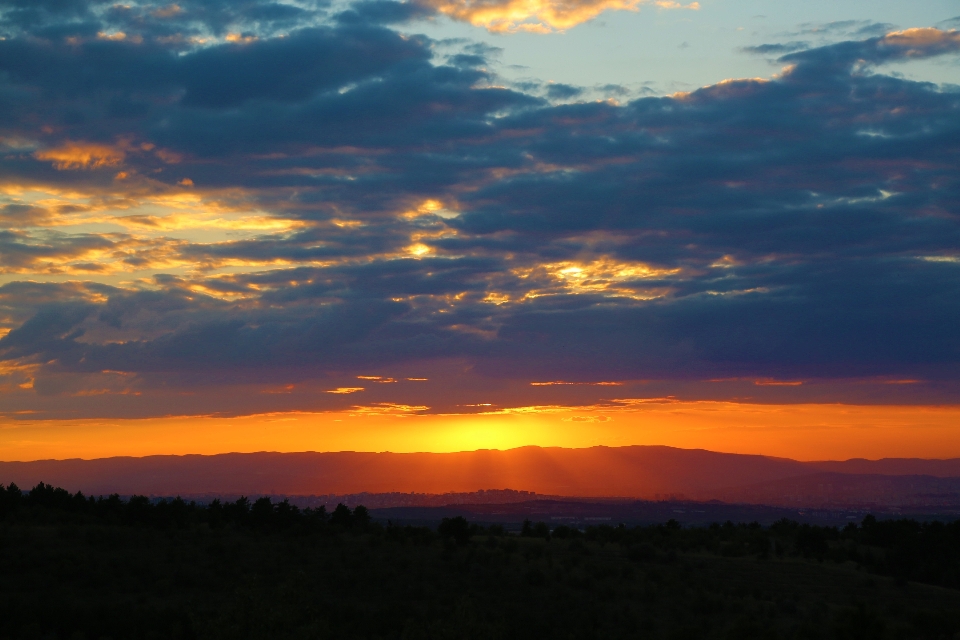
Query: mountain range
x=643, y=472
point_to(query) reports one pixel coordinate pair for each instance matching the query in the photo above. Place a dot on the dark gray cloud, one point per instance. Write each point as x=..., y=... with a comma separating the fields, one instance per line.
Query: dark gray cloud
x=184, y=18
x=846, y=28
x=894, y=46
x=778, y=48
x=560, y=91
x=293, y=68
x=384, y=12
x=951, y=23
x=804, y=227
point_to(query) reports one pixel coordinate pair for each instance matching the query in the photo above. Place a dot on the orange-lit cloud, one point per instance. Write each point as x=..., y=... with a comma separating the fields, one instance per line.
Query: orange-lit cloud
x=238, y=38
x=539, y=16
x=778, y=383
x=561, y=382
x=388, y=409
x=603, y=276
x=81, y=155
x=207, y=221
x=166, y=12
x=429, y=208
x=419, y=249
x=87, y=255
x=379, y=379
x=921, y=42
x=116, y=36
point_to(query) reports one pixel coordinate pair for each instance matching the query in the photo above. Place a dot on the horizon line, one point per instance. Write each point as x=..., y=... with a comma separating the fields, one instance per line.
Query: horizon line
x=447, y=453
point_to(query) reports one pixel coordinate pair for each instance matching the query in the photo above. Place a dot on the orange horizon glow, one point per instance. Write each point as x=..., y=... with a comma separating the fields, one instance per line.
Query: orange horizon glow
x=800, y=431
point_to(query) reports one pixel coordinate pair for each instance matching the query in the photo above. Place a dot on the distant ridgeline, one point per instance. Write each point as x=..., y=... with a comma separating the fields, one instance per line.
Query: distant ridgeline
x=432, y=479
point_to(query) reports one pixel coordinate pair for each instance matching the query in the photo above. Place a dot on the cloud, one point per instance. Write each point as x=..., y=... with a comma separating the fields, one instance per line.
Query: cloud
x=81, y=155
x=845, y=28
x=292, y=68
x=186, y=18
x=778, y=48
x=897, y=45
x=17, y=215
x=951, y=23
x=52, y=328
x=922, y=42
x=560, y=91
x=206, y=223
x=538, y=16
x=384, y=12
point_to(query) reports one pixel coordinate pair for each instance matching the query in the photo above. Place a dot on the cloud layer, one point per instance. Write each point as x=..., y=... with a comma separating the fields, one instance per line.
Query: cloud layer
x=206, y=199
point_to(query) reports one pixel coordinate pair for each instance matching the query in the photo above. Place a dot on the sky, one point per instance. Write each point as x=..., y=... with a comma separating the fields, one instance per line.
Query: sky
x=439, y=225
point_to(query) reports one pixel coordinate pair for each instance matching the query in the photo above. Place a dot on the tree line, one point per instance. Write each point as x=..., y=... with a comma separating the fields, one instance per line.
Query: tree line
x=261, y=513
x=904, y=549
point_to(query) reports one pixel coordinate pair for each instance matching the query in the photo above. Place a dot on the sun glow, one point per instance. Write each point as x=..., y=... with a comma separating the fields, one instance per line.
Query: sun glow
x=805, y=432
x=419, y=250
x=603, y=276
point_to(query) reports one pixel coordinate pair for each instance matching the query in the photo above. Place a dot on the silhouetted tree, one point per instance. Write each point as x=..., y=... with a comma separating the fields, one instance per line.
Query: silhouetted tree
x=341, y=516
x=456, y=528
x=286, y=514
x=44, y=495
x=563, y=531
x=215, y=514
x=261, y=513
x=538, y=530
x=361, y=517
x=316, y=516
x=138, y=510
x=110, y=507
x=811, y=541
x=541, y=530
x=237, y=512
x=9, y=499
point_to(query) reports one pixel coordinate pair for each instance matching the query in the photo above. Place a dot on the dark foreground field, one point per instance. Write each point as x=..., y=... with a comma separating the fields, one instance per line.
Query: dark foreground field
x=77, y=568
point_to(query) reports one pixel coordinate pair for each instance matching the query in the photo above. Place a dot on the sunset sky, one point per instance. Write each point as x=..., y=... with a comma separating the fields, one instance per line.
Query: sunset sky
x=442, y=225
